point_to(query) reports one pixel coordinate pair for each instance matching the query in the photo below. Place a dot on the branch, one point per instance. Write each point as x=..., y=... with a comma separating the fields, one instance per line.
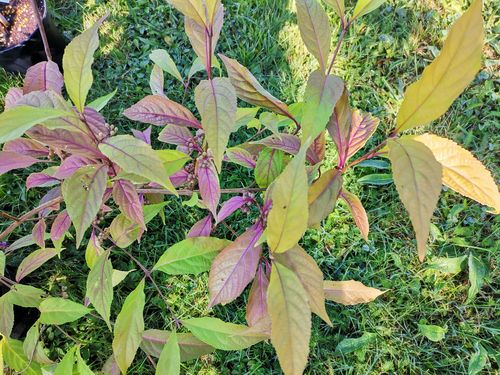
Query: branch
x=39, y=21
x=191, y=192
x=371, y=154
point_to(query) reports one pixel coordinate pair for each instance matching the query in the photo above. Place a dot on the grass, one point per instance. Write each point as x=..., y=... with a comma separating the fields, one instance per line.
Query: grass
x=383, y=53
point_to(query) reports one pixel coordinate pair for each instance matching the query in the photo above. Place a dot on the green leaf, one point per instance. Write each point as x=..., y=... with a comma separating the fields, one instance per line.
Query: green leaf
x=25, y=295
x=136, y=157
x=376, y=164
x=376, y=179
x=244, y=116
x=170, y=358
x=81, y=366
x=118, y=276
x=269, y=166
x=351, y=345
x=100, y=287
x=478, y=360
x=65, y=367
x=366, y=6
x=222, y=335
x=83, y=193
x=339, y=7
x=129, y=327
x=191, y=256
x=287, y=304
x=477, y=272
x=6, y=315
x=162, y=58
x=77, y=65
x=16, y=360
x=14, y=122
x=102, y=101
x=216, y=102
x=432, y=332
x=33, y=347
x=450, y=73
x=60, y=311
x=447, y=265
x=2, y=263
x=173, y=160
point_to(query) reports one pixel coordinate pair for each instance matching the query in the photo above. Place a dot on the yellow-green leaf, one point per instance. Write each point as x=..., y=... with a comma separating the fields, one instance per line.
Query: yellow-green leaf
x=197, y=10
x=462, y=172
x=65, y=367
x=323, y=195
x=288, y=307
x=417, y=176
x=16, y=360
x=339, y=7
x=77, y=64
x=452, y=71
x=216, y=102
x=170, y=357
x=60, y=311
x=129, y=327
x=350, y=292
x=100, y=287
x=162, y=59
x=315, y=29
x=288, y=218
x=366, y=6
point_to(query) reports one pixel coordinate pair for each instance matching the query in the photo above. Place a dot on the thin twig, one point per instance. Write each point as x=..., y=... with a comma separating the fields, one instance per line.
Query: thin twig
x=191, y=192
x=371, y=154
x=339, y=45
x=41, y=27
x=67, y=335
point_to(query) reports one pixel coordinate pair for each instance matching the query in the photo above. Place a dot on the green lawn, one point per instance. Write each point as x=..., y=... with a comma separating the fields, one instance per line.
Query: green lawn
x=384, y=52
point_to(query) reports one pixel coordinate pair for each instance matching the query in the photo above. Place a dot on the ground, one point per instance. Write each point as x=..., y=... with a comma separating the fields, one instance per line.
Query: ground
x=383, y=53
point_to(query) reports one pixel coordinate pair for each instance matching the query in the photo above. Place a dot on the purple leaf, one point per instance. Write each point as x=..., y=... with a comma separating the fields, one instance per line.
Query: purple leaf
x=26, y=147
x=40, y=180
x=180, y=178
x=42, y=77
x=241, y=157
x=70, y=166
x=234, y=268
x=39, y=233
x=60, y=226
x=96, y=123
x=176, y=135
x=316, y=152
x=144, y=136
x=13, y=96
x=11, y=160
x=202, y=228
x=126, y=197
x=208, y=182
x=288, y=143
x=257, y=299
x=230, y=206
x=159, y=110
x=51, y=194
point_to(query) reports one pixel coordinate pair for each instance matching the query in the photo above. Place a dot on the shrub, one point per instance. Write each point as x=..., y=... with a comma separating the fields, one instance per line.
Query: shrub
x=93, y=171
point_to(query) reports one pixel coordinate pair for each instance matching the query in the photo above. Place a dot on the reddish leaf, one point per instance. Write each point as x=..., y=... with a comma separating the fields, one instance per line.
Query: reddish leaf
x=176, y=135
x=208, y=181
x=70, y=166
x=340, y=123
x=357, y=211
x=126, y=197
x=316, y=152
x=180, y=178
x=234, y=267
x=60, y=226
x=159, y=110
x=288, y=143
x=144, y=136
x=51, y=194
x=230, y=206
x=96, y=123
x=38, y=233
x=40, y=180
x=42, y=77
x=257, y=299
x=241, y=157
x=362, y=128
x=12, y=97
x=27, y=147
x=202, y=228
x=11, y=160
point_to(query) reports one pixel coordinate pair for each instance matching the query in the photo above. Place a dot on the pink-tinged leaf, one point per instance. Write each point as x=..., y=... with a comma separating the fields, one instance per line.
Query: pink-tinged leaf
x=25, y=146
x=38, y=233
x=235, y=266
x=241, y=157
x=126, y=197
x=202, y=228
x=33, y=261
x=40, y=180
x=71, y=142
x=176, y=135
x=230, y=206
x=269, y=166
x=316, y=152
x=288, y=143
x=257, y=299
x=96, y=123
x=340, y=123
x=357, y=211
x=70, y=166
x=50, y=195
x=144, y=136
x=42, y=77
x=362, y=128
x=61, y=225
x=159, y=110
x=208, y=182
x=13, y=96
x=11, y=160
x=180, y=178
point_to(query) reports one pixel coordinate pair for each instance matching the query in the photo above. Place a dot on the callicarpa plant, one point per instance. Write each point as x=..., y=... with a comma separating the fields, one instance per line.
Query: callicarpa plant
x=92, y=171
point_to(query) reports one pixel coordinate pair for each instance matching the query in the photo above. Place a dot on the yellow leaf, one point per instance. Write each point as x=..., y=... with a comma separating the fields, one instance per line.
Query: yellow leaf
x=287, y=220
x=452, y=71
x=315, y=29
x=366, y=6
x=462, y=172
x=311, y=277
x=417, y=176
x=350, y=292
x=193, y=9
x=323, y=195
x=357, y=211
x=290, y=319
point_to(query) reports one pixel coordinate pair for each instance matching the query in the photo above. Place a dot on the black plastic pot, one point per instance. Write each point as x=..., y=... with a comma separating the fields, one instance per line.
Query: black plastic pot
x=18, y=58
